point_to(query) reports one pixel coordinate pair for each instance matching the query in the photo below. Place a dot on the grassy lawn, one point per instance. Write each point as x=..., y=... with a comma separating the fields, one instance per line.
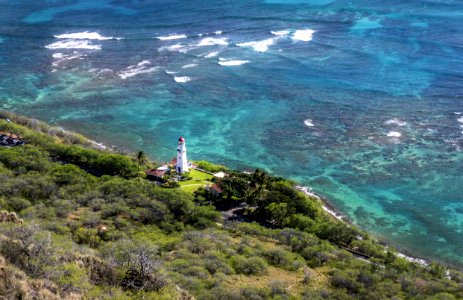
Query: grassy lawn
x=191, y=188
x=198, y=179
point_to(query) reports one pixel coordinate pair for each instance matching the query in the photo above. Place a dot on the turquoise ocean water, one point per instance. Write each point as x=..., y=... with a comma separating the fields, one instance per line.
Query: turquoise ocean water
x=360, y=100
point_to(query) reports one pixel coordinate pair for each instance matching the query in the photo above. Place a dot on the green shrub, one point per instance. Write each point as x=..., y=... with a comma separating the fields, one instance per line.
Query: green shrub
x=87, y=236
x=32, y=186
x=215, y=265
x=337, y=232
x=25, y=158
x=17, y=204
x=28, y=247
x=72, y=278
x=69, y=174
x=249, y=266
x=279, y=289
x=278, y=257
x=441, y=296
x=318, y=255
x=344, y=280
x=253, y=293
x=207, y=166
x=195, y=271
x=369, y=248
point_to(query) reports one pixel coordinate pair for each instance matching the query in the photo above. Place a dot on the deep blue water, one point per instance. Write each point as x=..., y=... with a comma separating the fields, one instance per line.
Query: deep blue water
x=366, y=109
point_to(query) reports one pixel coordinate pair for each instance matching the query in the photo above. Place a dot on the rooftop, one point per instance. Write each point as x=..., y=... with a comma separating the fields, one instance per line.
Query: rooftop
x=156, y=173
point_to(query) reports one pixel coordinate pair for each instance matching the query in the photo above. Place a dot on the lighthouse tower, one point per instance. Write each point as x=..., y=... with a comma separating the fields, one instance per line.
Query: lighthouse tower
x=182, y=163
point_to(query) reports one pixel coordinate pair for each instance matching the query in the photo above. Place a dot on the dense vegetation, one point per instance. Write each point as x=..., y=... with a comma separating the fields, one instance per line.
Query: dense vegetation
x=86, y=224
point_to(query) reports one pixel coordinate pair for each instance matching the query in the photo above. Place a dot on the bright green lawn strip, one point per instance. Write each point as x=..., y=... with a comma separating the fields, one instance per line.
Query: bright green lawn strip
x=195, y=174
x=198, y=179
x=191, y=188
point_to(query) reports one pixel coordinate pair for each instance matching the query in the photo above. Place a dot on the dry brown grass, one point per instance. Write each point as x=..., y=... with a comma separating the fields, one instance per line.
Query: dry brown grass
x=15, y=284
x=293, y=280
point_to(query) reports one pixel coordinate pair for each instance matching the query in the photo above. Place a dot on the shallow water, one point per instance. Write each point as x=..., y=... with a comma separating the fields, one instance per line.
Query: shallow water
x=361, y=101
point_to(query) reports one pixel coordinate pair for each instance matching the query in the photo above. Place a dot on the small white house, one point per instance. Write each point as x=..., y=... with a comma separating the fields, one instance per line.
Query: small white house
x=219, y=175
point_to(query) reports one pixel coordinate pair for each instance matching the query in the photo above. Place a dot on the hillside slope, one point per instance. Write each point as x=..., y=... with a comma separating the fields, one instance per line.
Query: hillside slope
x=93, y=228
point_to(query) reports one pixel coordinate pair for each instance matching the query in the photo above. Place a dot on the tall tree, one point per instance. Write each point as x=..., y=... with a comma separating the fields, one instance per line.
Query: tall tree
x=141, y=158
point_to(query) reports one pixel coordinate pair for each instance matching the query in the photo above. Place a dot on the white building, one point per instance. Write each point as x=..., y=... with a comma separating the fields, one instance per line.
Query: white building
x=182, y=163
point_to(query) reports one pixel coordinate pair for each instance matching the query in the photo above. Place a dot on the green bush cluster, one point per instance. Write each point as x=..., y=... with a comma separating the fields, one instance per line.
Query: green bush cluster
x=274, y=202
x=249, y=266
x=210, y=167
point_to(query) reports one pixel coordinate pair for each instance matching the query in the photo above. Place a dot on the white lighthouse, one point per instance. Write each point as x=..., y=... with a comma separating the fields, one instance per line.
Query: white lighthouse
x=182, y=163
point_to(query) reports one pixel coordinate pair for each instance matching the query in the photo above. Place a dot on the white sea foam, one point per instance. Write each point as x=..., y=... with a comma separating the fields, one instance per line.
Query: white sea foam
x=460, y=119
x=170, y=72
x=73, y=44
x=259, y=46
x=309, y=123
x=175, y=48
x=304, y=35
x=218, y=32
x=133, y=72
x=333, y=213
x=281, y=32
x=99, y=145
x=189, y=66
x=142, y=67
x=182, y=79
x=101, y=71
x=209, y=41
x=61, y=57
x=395, y=121
x=212, y=54
x=229, y=63
x=395, y=134
x=171, y=37
x=58, y=55
x=85, y=35
x=413, y=259
x=457, y=113
x=308, y=192
x=456, y=143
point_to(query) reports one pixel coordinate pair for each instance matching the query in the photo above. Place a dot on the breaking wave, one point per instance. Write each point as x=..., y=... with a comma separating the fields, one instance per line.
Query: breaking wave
x=395, y=134
x=209, y=41
x=182, y=79
x=229, y=63
x=309, y=123
x=85, y=35
x=395, y=121
x=259, y=46
x=142, y=67
x=74, y=44
x=304, y=35
x=172, y=37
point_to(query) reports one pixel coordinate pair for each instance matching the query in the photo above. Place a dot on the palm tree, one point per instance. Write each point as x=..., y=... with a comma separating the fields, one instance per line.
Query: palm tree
x=141, y=158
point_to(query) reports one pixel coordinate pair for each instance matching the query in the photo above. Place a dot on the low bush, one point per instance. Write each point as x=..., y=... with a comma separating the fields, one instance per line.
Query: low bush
x=29, y=248
x=249, y=266
x=346, y=281
x=279, y=258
